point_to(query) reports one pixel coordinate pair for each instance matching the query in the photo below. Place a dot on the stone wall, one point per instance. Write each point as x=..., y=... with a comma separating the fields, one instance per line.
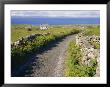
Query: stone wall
x=23, y=40
x=88, y=51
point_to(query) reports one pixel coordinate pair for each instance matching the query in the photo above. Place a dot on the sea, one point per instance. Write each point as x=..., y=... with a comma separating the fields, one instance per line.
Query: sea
x=53, y=21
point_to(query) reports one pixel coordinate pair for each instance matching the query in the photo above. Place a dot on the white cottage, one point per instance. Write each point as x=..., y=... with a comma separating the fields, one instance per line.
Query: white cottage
x=44, y=26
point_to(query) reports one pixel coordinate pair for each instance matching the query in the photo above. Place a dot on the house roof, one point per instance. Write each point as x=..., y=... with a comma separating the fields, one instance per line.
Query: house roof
x=43, y=24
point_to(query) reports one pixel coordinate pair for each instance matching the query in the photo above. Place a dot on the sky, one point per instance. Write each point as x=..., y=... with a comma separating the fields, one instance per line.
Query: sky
x=67, y=14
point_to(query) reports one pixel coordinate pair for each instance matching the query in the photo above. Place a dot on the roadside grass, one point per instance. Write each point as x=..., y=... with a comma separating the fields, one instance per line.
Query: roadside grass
x=74, y=68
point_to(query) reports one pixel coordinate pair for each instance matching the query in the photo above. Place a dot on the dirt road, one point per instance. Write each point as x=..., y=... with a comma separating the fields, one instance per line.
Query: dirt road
x=50, y=62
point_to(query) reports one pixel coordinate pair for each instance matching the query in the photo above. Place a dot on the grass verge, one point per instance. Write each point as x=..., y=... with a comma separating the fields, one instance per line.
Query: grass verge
x=74, y=68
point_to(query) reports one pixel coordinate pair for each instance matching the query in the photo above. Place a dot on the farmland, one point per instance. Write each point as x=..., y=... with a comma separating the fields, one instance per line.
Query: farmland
x=19, y=31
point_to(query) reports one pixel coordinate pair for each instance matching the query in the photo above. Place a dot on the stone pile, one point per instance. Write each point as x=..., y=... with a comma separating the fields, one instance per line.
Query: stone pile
x=94, y=39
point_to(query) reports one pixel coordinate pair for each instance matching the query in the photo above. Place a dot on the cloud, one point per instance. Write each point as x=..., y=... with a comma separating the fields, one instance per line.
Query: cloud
x=75, y=14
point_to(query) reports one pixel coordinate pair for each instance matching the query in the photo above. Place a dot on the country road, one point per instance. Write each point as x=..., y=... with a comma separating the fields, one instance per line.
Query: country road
x=49, y=62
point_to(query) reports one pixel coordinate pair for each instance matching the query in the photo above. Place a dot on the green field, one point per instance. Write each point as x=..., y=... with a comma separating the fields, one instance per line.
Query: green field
x=19, y=31
x=92, y=30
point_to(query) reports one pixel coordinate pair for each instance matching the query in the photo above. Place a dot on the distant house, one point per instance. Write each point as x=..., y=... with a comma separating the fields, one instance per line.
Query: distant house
x=44, y=26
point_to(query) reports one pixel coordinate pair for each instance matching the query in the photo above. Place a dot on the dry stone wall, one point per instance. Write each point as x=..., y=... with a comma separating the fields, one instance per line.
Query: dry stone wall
x=88, y=51
x=29, y=38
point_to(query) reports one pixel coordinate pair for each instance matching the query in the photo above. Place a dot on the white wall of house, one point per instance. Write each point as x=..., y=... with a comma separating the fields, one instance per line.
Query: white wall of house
x=43, y=26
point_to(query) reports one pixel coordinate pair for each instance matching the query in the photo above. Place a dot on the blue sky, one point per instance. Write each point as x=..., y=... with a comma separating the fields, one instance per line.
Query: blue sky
x=71, y=14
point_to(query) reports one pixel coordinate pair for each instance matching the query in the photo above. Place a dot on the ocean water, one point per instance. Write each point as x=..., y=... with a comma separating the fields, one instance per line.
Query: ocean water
x=53, y=21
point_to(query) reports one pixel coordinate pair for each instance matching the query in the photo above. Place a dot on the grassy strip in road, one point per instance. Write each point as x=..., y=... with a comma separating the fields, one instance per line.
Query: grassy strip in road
x=74, y=68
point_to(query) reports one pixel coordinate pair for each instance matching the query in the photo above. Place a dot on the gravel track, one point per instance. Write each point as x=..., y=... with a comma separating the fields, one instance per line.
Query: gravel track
x=50, y=62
